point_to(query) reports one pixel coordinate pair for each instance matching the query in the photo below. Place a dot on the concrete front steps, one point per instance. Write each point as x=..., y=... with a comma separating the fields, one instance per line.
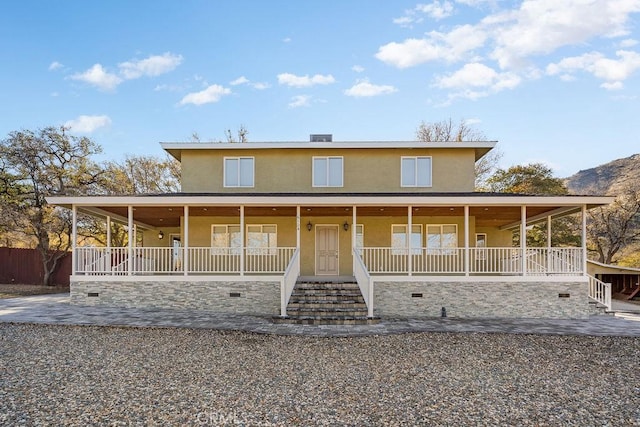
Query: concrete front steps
x=322, y=303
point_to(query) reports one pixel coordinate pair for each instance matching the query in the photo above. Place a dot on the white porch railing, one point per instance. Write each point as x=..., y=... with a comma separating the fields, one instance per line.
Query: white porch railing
x=289, y=279
x=600, y=292
x=364, y=281
x=167, y=260
x=497, y=261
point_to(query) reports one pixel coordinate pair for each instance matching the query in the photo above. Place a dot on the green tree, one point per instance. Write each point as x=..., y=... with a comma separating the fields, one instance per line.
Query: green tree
x=537, y=179
x=531, y=179
x=462, y=131
x=40, y=163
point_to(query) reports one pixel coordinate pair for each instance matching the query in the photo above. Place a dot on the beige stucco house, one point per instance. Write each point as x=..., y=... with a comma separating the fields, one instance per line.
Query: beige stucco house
x=401, y=219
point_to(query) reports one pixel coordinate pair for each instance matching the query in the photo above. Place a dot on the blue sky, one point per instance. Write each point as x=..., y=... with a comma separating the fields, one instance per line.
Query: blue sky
x=555, y=81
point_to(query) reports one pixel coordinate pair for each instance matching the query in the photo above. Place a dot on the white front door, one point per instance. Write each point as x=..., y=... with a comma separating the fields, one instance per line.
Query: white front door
x=327, y=255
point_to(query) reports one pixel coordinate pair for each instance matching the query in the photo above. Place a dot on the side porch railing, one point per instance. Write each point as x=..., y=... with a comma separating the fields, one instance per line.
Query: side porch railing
x=487, y=261
x=167, y=260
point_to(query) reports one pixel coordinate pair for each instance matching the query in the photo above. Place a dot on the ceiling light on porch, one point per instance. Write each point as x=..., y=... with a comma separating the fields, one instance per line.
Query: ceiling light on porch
x=274, y=209
x=205, y=209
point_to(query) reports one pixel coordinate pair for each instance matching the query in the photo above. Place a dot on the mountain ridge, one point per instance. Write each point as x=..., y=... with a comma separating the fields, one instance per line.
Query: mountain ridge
x=608, y=179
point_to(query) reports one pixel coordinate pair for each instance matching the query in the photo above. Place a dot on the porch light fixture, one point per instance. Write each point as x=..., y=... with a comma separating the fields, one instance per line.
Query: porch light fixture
x=345, y=226
x=309, y=226
x=160, y=235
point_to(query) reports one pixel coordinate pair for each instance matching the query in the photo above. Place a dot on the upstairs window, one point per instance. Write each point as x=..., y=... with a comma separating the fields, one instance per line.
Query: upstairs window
x=327, y=171
x=416, y=171
x=238, y=171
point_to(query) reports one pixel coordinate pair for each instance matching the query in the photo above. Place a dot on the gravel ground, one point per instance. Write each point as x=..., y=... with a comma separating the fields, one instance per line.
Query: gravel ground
x=79, y=375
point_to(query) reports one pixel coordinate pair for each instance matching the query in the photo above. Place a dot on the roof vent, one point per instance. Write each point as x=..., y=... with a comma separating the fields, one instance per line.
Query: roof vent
x=321, y=137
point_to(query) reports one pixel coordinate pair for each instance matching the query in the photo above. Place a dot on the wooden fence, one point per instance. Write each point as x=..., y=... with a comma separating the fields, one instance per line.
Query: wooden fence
x=24, y=266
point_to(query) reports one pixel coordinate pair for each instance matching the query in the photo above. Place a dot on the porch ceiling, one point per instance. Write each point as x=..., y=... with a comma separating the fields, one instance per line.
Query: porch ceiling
x=485, y=216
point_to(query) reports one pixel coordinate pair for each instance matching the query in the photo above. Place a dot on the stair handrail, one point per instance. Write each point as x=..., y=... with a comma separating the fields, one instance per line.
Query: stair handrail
x=600, y=291
x=288, y=281
x=363, y=278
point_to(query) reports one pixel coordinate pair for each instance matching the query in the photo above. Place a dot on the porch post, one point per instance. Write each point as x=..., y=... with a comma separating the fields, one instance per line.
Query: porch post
x=523, y=239
x=242, y=240
x=353, y=239
x=108, y=257
x=584, y=240
x=298, y=239
x=130, y=242
x=185, y=256
x=466, y=240
x=409, y=235
x=549, y=266
x=298, y=228
x=74, y=237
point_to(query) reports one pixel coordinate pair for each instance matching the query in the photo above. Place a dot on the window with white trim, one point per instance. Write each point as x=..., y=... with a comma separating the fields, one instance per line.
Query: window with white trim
x=442, y=238
x=238, y=171
x=327, y=171
x=262, y=239
x=399, y=242
x=225, y=239
x=416, y=171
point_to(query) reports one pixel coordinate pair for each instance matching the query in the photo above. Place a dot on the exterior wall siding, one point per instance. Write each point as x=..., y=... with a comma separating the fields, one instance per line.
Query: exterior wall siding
x=290, y=170
x=256, y=298
x=486, y=299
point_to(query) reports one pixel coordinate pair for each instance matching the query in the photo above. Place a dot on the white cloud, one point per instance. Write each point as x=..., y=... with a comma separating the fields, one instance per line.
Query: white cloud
x=515, y=35
x=87, y=124
x=476, y=80
x=366, y=89
x=612, y=85
x=242, y=80
x=452, y=46
x=613, y=71
x=239, y=81
x=409, y=53
x=304, y=81
x=522, y=33
x=300, y=101
x=211, y=94
x=436, y=10
x=154, y=65
x=98, y=77
x=357, y=68
x=287, y=40
x=55, y=65
x=471, y=122
x=628, y=43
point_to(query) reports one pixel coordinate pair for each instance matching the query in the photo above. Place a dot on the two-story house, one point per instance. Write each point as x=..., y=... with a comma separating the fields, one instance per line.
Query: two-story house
x=255, y=221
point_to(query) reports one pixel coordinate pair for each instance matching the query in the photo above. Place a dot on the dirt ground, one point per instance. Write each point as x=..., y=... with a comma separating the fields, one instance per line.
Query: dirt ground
x=16, y=290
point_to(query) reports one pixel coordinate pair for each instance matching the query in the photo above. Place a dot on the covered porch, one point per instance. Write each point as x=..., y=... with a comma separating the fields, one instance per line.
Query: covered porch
x=189, y=240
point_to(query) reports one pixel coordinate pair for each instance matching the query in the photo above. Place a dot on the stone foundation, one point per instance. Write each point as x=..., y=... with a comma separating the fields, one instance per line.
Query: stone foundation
x=487, y=299
x=246, y=297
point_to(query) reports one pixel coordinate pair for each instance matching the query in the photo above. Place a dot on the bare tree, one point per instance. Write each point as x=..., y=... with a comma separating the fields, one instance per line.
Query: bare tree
x=142, y=174
x=242, y=135
x=36, y=164
x=462, y=131
x=614, y=227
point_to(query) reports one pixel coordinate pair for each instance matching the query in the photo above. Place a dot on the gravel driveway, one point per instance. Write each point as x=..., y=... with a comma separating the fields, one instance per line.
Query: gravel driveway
x=75, y=375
